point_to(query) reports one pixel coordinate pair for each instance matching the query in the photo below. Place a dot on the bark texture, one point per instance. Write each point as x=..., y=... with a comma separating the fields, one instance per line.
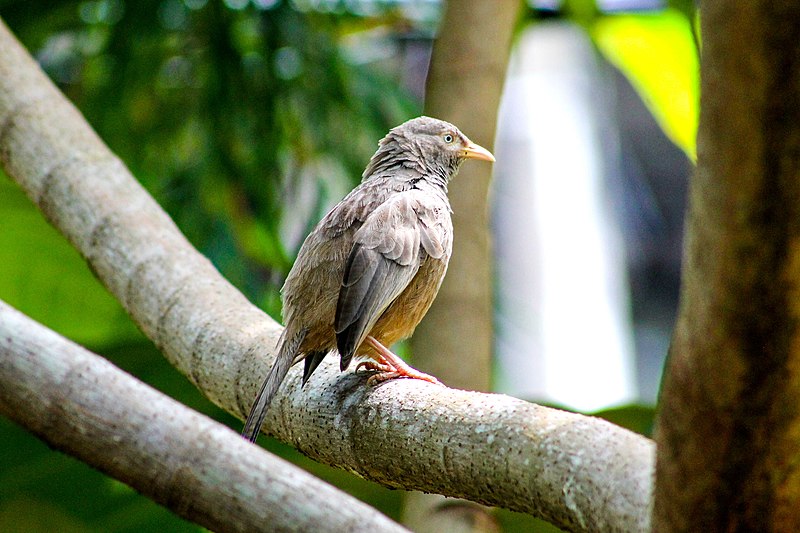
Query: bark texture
x=729, y=423
x=468, y=69
x=81, y=404
x=581, y=473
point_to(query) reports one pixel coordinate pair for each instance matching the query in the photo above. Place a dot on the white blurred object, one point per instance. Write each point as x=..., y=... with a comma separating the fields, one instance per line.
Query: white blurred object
x=563, y=326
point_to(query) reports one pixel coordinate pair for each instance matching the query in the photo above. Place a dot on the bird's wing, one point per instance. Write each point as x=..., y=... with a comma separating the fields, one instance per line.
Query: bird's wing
x=312, y=286
x=385, y=257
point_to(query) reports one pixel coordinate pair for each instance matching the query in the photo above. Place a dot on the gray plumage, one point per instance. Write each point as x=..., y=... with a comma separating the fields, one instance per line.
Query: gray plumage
x=371, y=268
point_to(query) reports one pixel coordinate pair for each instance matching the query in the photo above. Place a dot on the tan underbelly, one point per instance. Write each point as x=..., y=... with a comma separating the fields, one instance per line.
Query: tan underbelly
x=402, y=316
x=397, y=322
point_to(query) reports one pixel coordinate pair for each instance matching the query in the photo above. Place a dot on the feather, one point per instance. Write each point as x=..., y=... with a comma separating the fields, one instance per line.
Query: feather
x=289, y=346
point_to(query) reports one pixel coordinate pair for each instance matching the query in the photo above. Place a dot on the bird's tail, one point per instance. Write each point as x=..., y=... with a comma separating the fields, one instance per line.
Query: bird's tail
x=284, y=361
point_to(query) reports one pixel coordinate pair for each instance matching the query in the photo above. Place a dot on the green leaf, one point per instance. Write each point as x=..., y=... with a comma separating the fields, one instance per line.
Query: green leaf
x=658, y=55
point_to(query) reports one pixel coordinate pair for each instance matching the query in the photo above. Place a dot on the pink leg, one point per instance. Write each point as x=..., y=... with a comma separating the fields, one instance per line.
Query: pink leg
x=389, y=366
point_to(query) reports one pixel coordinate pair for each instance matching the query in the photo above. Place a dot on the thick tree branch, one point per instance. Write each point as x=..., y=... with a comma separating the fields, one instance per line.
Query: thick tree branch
x=80, y=403
x=580, y=473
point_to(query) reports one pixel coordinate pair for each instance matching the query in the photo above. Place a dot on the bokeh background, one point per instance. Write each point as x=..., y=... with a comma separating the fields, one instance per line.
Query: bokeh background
x=248, y=119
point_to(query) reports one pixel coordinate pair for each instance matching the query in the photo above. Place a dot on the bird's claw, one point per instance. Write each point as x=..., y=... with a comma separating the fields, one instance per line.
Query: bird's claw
x=372, y=366
x=385, y=372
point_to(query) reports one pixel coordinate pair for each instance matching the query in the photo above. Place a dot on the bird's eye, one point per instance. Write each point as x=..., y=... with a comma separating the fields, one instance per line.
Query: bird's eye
x=448, y=138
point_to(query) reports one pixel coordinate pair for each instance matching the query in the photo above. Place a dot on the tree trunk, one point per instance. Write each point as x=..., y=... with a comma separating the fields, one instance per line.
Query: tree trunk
x=729, y=421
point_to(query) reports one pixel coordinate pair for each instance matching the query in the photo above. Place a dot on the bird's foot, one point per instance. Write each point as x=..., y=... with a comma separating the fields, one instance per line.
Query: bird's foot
x=374, y=366
x=380, y=372
x=389, y=366
x=385, y=372
x=380, y=377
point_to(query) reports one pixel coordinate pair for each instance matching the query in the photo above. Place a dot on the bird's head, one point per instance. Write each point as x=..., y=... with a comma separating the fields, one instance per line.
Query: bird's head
x=429, y=144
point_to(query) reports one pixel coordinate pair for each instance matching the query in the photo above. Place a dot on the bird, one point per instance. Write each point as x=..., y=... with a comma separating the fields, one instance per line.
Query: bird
x=370, y=269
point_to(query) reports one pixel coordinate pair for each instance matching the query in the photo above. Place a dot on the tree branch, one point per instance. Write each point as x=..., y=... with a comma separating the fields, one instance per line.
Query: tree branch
x=580, y=473
x=80, y=403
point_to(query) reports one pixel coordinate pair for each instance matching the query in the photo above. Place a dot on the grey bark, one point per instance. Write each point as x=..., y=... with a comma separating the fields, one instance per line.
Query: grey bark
x=580, y=473
x=81, y=404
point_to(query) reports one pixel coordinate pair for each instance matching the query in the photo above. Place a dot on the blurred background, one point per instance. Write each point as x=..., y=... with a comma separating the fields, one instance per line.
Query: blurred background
x=248, y=119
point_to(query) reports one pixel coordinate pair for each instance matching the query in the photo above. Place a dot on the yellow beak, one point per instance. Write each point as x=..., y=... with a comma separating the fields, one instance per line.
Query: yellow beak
x=474, y=151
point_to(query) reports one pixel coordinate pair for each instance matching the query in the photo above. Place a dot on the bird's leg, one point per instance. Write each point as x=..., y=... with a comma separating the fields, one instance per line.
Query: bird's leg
x=389, y=366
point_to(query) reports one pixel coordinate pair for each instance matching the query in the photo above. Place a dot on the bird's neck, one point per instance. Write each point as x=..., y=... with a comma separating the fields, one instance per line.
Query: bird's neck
x=441, y=172
x=404, y=161
x=433, y=182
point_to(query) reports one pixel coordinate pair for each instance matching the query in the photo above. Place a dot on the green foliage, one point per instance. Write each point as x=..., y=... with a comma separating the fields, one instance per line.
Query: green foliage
x=226, y=112
x=43, y=275
x=637, y=418
x=584, y=12
x=657, y=52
